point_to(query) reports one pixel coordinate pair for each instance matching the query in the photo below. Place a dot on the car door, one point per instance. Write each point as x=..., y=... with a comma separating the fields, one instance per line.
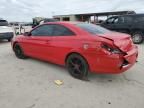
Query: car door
x=120, y=24
x=38, y=44
x=62, y=42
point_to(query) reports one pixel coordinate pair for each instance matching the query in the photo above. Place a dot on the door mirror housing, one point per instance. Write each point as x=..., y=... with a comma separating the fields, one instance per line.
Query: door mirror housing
x=106, y=22
x=27, y=34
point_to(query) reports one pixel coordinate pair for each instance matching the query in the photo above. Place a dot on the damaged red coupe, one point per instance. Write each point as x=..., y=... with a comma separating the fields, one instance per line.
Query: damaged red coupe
x=81, y=47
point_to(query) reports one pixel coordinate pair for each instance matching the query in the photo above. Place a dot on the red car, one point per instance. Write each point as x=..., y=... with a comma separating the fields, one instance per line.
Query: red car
x=81, y=47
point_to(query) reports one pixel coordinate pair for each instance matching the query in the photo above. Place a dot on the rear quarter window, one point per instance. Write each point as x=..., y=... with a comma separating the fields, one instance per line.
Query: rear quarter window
x=60, y=30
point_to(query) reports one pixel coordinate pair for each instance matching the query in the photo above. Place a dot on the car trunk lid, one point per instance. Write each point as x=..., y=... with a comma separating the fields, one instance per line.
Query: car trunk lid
x=122, y=41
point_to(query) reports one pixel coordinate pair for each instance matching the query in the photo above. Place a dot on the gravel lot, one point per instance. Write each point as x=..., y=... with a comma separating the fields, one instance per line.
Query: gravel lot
x=30, y=84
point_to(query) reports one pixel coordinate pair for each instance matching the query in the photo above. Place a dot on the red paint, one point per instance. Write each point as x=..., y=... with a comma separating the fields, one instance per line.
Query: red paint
x=56, y=48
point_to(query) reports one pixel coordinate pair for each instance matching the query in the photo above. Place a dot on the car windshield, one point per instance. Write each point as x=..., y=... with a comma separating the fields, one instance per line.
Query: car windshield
x=93, y=29
x=3, y=23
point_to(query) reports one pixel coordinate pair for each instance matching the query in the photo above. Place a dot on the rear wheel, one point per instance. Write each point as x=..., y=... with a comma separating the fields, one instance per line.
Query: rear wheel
x=137, y=37
x=18, y=52
x=77, y=66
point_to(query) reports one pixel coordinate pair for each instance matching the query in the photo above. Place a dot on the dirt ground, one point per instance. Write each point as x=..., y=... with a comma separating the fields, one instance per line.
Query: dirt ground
x=30, y=84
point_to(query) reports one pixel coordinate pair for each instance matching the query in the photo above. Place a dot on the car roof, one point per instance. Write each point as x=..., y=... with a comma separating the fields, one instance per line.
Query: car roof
x=133, y=15
x=64, y=22
x=3, y=20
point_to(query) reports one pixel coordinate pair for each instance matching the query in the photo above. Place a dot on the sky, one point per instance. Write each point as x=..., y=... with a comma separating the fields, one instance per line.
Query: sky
x=25, y=10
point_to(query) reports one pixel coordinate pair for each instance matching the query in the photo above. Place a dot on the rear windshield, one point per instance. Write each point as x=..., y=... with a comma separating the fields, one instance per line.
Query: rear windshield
x=3, y=23
x=93, y=29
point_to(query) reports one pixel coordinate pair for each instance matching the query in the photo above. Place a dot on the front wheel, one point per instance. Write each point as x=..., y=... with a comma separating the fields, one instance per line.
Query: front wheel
x=137, y=37
x=18, y=52
x=77, y=66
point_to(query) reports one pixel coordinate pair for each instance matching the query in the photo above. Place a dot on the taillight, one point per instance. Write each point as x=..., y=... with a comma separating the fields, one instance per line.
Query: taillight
x=111, y=49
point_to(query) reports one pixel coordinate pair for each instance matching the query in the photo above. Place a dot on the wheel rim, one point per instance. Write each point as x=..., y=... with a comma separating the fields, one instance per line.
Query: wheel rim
x=76, y=67
x=137, y=38
x=18, y=51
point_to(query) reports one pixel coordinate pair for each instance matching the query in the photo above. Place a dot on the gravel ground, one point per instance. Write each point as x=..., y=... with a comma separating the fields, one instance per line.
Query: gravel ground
x=30, y=84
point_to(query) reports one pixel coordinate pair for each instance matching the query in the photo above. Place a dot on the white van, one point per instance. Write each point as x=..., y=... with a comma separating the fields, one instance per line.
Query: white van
x=6, y=32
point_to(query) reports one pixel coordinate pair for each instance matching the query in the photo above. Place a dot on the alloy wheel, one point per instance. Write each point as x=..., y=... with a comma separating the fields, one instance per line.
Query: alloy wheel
x=137, y=38
x=77, y=66
x=18, y=52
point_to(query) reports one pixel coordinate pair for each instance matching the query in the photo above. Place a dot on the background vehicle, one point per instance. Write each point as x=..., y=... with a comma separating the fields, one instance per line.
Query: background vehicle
x=81, y=47
x=6, y=32
x=41, y=20
x=131, y=24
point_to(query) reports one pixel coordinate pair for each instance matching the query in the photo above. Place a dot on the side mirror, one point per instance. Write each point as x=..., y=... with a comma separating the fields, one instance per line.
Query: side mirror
x=27, y=34
x=106, y=22
x=103, y=23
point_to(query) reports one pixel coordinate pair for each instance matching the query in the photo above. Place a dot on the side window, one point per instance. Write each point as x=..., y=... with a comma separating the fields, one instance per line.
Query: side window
x=110, y=20
x=128, y=19
x=115, y=20
x=60, y=30
x=119, y=20
x=43, y=30
x=139, y=19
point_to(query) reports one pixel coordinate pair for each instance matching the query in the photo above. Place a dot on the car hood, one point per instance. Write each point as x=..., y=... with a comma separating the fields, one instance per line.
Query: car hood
x=121, y=40
x=5, y=29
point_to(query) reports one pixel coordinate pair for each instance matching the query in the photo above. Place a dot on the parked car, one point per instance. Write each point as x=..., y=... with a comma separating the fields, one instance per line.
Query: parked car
x=131, y=24
x=6, y=32
x=40, y=20
x=81, y=47
x=16, y=25
x=48, y=20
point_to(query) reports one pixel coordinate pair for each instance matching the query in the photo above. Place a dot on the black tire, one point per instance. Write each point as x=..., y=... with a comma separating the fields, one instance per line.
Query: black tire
x=137, y=37
x=19, y=52
x=77, y=66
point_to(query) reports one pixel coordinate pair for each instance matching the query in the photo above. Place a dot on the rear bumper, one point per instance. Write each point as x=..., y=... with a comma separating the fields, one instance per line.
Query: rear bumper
x=114, y=63
x=7, y=35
